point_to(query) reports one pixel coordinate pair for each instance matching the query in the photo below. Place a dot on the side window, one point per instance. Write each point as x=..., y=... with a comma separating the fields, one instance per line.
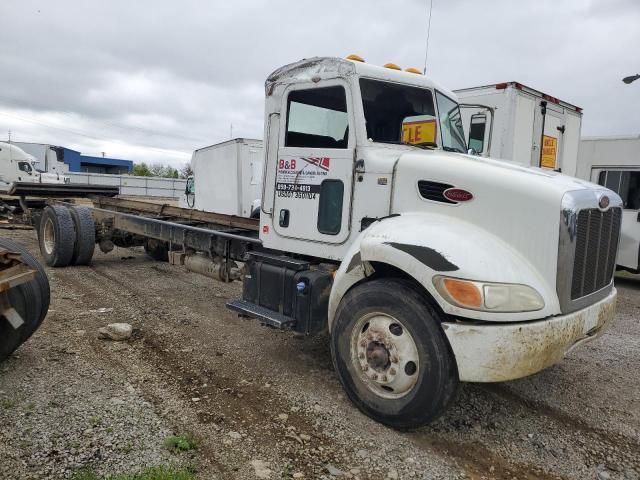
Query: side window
x=626, y=184
x=477, y=129
x=317, y=118
x=24, y=166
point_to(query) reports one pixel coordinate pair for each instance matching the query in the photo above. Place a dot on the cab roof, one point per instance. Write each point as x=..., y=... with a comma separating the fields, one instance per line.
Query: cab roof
x=331, y=67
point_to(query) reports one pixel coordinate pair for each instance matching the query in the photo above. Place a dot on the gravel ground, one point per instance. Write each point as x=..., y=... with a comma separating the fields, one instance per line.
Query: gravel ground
x=265, y=404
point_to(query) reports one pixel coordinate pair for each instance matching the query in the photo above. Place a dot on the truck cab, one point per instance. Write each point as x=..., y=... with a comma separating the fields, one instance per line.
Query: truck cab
x=427, y=266
x=18, y=166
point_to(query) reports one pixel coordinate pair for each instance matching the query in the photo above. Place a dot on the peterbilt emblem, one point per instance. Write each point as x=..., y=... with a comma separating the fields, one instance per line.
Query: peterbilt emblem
x=457, y=195
x=603, y=202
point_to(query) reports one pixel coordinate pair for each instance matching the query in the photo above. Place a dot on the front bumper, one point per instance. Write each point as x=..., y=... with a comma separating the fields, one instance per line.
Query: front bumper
x=500, y=352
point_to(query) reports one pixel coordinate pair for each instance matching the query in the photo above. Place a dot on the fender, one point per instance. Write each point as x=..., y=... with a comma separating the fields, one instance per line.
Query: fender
x=424, y=245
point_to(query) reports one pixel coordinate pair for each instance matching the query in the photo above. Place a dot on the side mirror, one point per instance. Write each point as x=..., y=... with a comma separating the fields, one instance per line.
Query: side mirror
x=471, y=151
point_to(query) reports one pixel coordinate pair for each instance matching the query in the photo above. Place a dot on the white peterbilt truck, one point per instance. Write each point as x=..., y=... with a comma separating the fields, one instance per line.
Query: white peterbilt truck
x=20, y=177
x=16, y=165
x=427, y=266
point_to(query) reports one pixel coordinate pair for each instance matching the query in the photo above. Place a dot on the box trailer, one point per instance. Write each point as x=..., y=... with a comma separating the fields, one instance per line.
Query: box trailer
x=426, y=266
x=614, y=162
x=514, y=122
x=227, y=178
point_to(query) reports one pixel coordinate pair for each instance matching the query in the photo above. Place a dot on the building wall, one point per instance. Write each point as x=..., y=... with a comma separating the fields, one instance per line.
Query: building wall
x=84, y=163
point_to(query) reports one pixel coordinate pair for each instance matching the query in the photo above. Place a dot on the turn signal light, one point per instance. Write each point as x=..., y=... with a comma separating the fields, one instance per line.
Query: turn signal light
x=488, y=296
x=392, y=66
x=464, y=293
x=413, y=70
x=355, y=58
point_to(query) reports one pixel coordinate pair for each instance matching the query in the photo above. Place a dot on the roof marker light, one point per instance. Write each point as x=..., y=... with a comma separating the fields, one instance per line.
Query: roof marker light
x=392, y=66
x=355, y=58
x=413, y=70
x=501, y=86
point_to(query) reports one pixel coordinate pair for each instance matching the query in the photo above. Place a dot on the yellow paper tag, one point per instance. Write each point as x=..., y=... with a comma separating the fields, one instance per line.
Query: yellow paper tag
x=549, y=151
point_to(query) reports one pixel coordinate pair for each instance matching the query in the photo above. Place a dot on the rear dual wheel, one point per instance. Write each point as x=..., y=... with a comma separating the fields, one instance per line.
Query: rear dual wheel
x=66, y=235
x=391, y=354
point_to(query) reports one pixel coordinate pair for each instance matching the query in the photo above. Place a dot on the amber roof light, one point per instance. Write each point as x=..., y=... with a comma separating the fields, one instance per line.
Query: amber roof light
x=355, y=58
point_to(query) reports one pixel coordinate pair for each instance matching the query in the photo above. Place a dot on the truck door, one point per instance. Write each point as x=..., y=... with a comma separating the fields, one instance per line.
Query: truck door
x=549, y=142
x=627, y=185
x=315, y=164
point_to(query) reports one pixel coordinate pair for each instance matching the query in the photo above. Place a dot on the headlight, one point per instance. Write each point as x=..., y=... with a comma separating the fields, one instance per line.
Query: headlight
x=487, y=296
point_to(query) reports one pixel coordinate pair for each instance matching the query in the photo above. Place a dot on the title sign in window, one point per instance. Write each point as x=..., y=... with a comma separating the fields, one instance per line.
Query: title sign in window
x=549, y=151
x=419, y=131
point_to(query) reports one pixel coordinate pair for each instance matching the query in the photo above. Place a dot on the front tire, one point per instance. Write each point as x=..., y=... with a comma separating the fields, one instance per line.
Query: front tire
x=391, y=354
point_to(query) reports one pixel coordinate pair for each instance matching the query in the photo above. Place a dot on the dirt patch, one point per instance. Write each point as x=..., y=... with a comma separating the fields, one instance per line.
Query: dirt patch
x=254, y=396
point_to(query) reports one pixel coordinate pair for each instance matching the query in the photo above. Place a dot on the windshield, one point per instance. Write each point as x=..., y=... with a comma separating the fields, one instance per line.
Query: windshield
x=396, y=113
x=451, y=132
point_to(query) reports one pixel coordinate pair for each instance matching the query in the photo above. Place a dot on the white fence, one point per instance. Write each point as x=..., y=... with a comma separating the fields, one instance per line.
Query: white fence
x=135, y=186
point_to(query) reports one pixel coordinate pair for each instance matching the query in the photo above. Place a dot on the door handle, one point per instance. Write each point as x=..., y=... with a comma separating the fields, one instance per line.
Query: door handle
x=284, y=218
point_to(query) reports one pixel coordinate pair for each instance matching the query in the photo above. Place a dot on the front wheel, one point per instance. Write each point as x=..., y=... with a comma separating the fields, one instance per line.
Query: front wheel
x=391, y=354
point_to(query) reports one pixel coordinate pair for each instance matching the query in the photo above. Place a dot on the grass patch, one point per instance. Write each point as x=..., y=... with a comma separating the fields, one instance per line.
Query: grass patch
x=7, y=404
x=181, y=443
x=153, y=473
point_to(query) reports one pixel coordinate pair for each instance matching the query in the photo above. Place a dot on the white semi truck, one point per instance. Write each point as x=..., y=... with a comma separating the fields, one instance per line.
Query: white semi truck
x=426, y=265
x=16, y=165
x=21, y=177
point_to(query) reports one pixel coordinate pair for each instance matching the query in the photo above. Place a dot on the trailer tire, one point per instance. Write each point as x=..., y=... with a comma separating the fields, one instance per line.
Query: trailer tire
x=56, y=235
x=85, y=235
x=391, y=354
x=11, y=338
x=157, y=249
x=30, y=300
x=41, y=278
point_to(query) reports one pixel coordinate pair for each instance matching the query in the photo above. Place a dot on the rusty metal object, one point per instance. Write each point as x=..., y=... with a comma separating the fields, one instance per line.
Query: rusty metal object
x=215, y=268
x=164, y=210
x=13, y=272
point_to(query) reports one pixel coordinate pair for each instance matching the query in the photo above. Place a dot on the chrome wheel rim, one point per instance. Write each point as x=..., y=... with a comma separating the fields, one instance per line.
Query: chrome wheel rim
x=49, y=236
x=384, y=355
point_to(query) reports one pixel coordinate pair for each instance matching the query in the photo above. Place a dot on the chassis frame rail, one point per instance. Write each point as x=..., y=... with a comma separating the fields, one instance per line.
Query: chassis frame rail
x=233, y=244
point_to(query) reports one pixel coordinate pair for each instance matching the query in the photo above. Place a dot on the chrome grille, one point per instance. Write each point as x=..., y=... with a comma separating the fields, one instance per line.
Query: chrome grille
x=596, y=239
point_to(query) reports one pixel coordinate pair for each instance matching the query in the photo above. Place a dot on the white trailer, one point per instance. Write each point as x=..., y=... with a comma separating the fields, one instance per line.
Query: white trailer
x=227, y=178
x=514, y=122
x=614, y=162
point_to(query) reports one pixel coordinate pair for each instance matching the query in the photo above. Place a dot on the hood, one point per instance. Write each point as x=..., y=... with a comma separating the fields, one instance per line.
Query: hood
x=520, y=206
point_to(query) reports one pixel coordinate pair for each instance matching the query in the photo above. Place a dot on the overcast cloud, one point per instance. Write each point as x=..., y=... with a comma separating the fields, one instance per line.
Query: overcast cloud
x=153, y=80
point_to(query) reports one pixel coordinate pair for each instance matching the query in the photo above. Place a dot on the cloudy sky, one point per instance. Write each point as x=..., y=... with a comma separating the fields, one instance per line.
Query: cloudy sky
x=153, y=80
